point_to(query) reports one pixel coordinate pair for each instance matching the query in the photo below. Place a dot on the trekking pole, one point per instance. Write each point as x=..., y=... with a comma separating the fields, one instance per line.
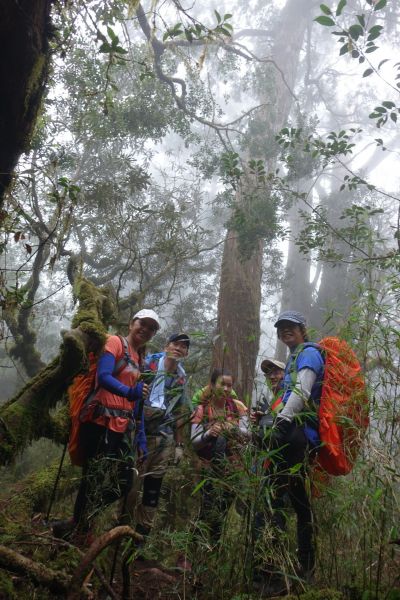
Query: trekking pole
x=138, y=421
x=53, y=493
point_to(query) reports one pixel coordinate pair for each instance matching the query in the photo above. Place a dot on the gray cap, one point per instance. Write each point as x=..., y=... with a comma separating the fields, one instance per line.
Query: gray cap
x=267, y=362
x=291, y=315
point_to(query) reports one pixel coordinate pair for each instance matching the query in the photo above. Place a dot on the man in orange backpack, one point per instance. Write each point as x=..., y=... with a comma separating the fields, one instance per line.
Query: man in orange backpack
x=294, y=435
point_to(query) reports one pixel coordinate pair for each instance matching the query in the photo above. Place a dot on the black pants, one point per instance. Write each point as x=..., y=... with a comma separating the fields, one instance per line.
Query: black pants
x=281, y=481
x=107, y=473
x=215, y=497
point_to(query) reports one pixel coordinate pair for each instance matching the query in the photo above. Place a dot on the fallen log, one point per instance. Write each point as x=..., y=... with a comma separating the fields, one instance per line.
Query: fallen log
x=56, y=581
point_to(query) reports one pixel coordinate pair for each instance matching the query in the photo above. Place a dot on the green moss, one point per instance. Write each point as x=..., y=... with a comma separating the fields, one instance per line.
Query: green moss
x=27, y=416
x=320, y=594
x=66, y=559
x=7, y=589
x=34, y=492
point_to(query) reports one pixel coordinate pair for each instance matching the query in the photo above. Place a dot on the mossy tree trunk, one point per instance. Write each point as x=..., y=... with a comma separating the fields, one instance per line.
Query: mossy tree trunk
x=27, y=417
x=24, y=59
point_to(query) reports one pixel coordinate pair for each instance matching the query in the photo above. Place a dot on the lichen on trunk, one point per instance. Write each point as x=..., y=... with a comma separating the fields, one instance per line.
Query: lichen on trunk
x=27, y=416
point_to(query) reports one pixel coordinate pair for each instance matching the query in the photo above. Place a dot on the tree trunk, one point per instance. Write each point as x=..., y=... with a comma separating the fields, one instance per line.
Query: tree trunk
x=239, y=314
x=24, y=57
x=240, y=295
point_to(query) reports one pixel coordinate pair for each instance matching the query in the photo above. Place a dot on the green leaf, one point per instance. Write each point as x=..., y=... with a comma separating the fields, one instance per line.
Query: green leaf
x=325, y=9
x=340, y=7
x=189, y=35
x=105, y=48
x=374, y=32
x=368, y=72
x=355, y=31
x=226, y=31
x=388, y=104
x=111, y=34
x=323, y=20
x=361, y=20
x=344, y=49
x=393, y=116
x=218, y=16
x=380, y=4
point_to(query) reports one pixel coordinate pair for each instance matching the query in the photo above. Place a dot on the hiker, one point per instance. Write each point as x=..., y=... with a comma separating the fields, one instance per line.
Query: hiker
x=164, y=418
x=108, y=423
x=220, y=426
x=295, y=435
x=198, y=395
x=273, y=371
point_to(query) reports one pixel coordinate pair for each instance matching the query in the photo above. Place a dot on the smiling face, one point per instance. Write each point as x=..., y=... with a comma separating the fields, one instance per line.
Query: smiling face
x=290, y=333
x=141, y=331
x=223, y=386
x=274, y=376
x=177, y=349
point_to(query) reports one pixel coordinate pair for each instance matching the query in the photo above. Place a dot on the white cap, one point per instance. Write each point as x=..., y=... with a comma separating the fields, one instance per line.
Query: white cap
x=147, y=313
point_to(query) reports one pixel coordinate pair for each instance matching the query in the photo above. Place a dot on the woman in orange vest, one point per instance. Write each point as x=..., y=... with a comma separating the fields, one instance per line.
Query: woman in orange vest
x=107, y=424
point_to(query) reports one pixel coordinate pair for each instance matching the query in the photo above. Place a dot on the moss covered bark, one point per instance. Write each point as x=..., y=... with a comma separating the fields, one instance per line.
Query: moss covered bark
x=33, y=493
x=27, y=416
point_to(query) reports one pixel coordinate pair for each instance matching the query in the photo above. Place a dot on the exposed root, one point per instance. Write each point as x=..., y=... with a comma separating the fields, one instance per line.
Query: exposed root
x=95, y=549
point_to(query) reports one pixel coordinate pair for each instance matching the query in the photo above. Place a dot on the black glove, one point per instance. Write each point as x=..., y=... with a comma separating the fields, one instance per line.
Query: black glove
x=279, y=433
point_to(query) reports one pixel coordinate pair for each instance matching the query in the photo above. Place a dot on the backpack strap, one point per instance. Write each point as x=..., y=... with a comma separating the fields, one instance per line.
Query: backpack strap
x=126, y=358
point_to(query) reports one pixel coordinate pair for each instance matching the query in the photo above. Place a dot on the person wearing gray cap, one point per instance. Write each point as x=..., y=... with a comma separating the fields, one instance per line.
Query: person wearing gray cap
x=295, y=432
x=163, y=410
x=274, y=371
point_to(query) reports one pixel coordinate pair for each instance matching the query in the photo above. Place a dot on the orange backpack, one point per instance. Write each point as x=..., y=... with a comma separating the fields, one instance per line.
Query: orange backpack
x=80, y=392
x=343, y=410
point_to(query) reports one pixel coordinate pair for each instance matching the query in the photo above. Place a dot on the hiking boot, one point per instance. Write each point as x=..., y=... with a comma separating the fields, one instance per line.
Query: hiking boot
x=306, y=569
x=63, y=528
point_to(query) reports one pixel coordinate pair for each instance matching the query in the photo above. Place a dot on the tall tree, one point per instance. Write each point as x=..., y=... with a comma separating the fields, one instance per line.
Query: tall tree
x=239, y=296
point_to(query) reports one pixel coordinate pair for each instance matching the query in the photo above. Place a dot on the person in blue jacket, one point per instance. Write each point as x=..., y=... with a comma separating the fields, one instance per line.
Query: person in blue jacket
x=294, y=435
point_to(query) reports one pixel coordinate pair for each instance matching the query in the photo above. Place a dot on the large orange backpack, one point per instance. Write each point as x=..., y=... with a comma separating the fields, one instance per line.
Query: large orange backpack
x=343, y=410
x=80, y=392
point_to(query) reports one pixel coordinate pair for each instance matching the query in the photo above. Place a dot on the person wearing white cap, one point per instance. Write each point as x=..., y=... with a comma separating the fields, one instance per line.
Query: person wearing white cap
x=107, y=422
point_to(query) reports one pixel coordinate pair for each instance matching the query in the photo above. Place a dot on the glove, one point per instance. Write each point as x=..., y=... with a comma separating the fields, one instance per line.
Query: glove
x=179, y=451
x=135, y=392
x=279, y=434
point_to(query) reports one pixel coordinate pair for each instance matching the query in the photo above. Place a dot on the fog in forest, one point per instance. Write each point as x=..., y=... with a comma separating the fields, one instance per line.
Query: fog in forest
x=218, y=163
